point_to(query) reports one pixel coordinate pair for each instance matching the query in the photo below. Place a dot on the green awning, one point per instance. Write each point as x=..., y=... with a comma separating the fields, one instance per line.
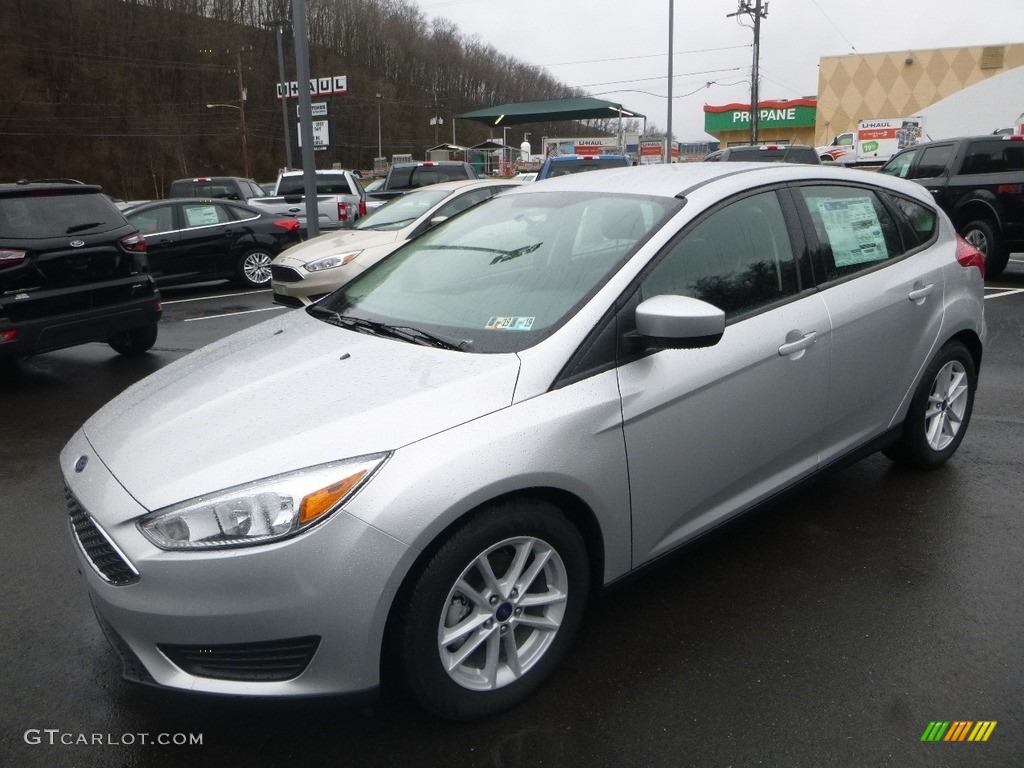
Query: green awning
x=586, y=108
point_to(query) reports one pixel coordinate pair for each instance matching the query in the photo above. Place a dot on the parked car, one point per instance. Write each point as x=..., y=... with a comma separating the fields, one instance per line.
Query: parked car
x=561, y=165
x=766, y=153
x=194, y=240
x=217, y=188
x=309, y=272
x=341, y=199
x=979, y=182
x=555, y=388
x=72, y=270
x=405, y=176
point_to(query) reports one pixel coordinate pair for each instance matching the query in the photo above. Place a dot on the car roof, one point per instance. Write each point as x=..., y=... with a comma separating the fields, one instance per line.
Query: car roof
x=191, y=201
x=682, y=179
x=24, y=187
x=470, y=184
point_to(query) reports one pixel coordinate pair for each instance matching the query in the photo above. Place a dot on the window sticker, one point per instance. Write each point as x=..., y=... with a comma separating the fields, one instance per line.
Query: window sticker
x=510, y=323
x=854, y=231
x=201, y=216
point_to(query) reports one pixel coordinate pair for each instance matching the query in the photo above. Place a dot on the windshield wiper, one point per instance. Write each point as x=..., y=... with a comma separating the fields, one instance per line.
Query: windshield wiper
x=503, y=255
x=80, y=227
x=403, y=333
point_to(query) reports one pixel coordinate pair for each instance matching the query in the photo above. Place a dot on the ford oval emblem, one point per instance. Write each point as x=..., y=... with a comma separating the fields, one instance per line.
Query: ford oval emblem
x=80, y=464
x=77, y=243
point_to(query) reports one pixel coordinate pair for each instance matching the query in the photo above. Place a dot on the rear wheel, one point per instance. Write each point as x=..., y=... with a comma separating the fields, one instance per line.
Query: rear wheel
x=254, y=268
x=982, y=235
x=134, y=342
x=489, y=616
x=940, y=411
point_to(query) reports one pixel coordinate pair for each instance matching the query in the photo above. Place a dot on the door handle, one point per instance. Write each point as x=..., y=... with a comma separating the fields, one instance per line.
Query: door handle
x=920, y=292
x=801, y=342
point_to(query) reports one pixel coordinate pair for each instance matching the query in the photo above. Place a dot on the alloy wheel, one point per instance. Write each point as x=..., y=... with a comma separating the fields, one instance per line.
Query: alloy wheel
x=947, y=404
x=503, y=613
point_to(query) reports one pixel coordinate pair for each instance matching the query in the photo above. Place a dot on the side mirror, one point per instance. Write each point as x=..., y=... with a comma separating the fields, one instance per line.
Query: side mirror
x=680, y=322
x=437, y=220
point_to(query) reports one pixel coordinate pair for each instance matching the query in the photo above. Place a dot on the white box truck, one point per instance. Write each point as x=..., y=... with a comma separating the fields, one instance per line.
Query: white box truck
x=874, y=141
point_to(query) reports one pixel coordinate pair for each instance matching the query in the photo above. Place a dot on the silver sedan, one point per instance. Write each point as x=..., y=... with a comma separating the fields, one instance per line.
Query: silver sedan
x=515, y=409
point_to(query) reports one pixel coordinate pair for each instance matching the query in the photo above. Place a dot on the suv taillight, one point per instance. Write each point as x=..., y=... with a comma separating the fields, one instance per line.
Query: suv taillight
x=362, y=208
x=969, y=256
x=135, y=242
x=342, y=211
x=10, y=257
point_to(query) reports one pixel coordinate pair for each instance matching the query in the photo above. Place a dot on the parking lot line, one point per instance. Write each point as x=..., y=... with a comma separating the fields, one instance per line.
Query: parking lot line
x=232, y=314
x=998, y=293
x=207, y=298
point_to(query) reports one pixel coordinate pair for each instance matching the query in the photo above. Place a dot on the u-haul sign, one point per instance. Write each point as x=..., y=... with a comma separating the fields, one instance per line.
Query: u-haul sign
x=318, y=86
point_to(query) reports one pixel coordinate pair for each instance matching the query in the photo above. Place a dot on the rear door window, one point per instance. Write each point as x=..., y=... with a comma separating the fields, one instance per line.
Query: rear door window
x=933, y=162
x=854, y=228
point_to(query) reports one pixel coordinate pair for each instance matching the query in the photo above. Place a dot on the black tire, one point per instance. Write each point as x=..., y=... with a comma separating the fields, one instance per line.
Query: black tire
x=940, y=411
x=253, y=268
x=135, y=342
x=435, y=600
x=982, y=235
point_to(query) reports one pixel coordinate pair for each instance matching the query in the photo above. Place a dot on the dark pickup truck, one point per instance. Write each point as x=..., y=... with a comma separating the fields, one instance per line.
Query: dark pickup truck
x=979, y=182
x=405, y=176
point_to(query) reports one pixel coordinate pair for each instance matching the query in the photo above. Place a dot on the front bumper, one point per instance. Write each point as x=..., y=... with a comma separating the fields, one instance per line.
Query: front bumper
x=221, y=621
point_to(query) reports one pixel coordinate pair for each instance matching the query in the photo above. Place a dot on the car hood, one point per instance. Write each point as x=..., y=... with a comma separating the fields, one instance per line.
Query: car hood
x=336, y=242
x=286, y=394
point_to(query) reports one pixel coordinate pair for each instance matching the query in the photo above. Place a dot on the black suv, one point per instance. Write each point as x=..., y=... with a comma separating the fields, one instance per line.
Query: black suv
x=766, y=153
x=979, y=182
x=72, y=270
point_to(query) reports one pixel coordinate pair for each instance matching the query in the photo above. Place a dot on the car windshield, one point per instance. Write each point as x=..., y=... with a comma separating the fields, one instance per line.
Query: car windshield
x=403, y=210
x=504, y=274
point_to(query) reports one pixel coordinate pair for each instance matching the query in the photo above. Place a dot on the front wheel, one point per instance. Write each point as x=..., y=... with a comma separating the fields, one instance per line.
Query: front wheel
x=940, y=411
x=982, y=235
x=254, y=268
x=490, y=615
x=134, y=342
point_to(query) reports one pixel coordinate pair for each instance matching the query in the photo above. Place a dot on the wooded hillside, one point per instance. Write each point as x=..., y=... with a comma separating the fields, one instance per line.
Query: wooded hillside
x=115, y=92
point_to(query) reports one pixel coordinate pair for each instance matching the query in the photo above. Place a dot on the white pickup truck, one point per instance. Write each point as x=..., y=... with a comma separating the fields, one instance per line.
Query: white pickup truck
x=340, y=198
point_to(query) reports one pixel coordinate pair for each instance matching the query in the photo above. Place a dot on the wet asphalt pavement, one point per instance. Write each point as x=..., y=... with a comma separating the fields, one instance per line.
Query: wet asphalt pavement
x=829, y=630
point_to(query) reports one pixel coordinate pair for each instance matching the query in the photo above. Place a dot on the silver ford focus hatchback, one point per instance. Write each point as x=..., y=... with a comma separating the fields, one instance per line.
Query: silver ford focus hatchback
x=523, y=405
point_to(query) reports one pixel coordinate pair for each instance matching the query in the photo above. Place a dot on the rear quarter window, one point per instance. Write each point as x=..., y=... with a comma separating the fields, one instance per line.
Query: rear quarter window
x=993, y=156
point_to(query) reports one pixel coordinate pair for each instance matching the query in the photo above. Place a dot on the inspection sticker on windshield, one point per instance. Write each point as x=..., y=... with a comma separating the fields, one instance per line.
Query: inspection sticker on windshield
x=510, y=323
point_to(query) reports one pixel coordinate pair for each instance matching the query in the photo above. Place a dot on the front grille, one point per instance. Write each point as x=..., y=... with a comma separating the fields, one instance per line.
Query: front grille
x=99, y=550
x=284, y=274
x=287, y=301
x=270, y=661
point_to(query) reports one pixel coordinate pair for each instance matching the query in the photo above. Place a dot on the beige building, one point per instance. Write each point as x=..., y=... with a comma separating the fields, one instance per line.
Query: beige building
x=905, y=83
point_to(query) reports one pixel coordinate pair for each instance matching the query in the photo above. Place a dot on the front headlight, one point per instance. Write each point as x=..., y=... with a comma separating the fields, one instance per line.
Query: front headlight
x=261, y=511
x=331, y=262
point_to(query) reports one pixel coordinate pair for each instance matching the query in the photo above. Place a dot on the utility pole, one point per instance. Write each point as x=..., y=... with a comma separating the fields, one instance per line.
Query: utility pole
x=668, y=130
x=280, y=24
x=756, y=12
x=300, y=30
x=241, y=117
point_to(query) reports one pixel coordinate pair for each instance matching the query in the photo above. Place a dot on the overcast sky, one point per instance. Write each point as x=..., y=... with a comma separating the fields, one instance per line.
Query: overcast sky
x=619, y=51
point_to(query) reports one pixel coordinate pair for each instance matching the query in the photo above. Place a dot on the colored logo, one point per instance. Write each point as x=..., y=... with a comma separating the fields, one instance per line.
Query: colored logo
x=958, y=730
